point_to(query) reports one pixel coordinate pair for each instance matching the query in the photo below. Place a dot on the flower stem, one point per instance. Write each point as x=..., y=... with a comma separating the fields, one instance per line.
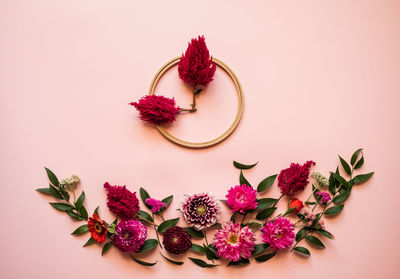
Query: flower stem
x=278, y=200
x=147, y=221
x=244, y=217
x=159, y=242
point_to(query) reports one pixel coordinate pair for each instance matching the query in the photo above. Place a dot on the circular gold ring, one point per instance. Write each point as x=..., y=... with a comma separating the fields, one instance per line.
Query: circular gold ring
x=209, y=143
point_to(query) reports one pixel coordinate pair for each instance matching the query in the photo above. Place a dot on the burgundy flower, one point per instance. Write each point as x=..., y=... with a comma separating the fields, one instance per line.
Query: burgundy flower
x=156, y=109
x=121, y=201
x=196, y=66
x=176, y=240
x=295, y=178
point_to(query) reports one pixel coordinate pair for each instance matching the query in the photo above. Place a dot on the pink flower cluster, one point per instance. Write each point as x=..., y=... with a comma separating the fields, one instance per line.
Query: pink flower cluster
x=325, y=197
x=294, y=178
x=242, y=198
x=156, y=205
x=121, y=201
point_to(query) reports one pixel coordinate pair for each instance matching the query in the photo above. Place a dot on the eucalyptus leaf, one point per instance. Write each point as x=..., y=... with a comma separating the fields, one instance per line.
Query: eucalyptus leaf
x=266, y=183
x=302, y=250
x=198, y=248
x=362, y=178
x=345, y=165
x=52, y=177
x=359, y=164
x=148, y=245
x=142, y=262
x=194, y=233
x=266, y=202
x=265, y=257
x=355, y=156
x=106, y=247
x=202, y=263
x=167, y=224
x=334, y=209
x=314, y=240
x=144, y=196
x=243, y=180
x=171, y=260
x=61, y=206
x=45, y=191
x=89, y=242
x=81, y=230
x=243, y=166
x=265, y=213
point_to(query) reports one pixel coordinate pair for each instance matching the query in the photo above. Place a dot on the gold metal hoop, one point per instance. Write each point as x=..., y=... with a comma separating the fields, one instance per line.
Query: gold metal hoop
x=209, y=143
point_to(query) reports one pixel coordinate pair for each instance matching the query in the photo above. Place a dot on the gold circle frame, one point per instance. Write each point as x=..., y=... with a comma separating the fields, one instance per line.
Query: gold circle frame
x=226, y=134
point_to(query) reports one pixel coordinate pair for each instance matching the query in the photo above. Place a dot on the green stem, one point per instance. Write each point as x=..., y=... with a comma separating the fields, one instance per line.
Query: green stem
x=278, y=200
x=158, y=238
x=147, y=221
x=297, y=242
x=244, y=217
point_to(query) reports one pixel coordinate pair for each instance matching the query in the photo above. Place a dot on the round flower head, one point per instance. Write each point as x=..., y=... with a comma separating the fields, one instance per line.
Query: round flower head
x=278, y=233
x=155, y=205
x=129, y=236
x=70, y=183
x=296, y=204
x=156, y=110
x=324, y=197
x=121, y=201
x=196, y=65
x=176, y=240
x=295, y=178
x=200, y=210
x=234, y=242
x=242, y=198
x=322, y=181
x=97, y=228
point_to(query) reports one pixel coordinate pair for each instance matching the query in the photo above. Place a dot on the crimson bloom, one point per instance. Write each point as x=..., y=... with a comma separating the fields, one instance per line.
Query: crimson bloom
x=242, y=198
x=196, y=66
x=295, y=178
x=97, y=228
x=176, y=240
x=121, y=201
x=156, y=109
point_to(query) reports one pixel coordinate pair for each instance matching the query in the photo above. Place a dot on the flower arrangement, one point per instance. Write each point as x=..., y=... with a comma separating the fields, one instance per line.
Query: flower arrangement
x=254, y=232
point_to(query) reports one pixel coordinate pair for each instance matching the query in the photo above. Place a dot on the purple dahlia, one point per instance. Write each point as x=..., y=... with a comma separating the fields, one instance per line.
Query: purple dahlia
x=176, y=240
x=200, y=210
x=129, y=236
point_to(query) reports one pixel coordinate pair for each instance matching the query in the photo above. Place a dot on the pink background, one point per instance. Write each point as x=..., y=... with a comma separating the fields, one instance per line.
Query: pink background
x=320, y=78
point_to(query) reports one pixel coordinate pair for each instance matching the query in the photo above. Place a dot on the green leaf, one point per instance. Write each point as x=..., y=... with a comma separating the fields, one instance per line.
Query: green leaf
x=362, y=178
x=259, y=248
x=52, y=177
x=64, y=193
x=168, y=200
x=198, y=248
x=194, y=233
x=359, y=164
x=232, y=219
x=342, y=197
x=56, y=193
x=148, y=245
x=61, y=206
x=144, y=196
x=333, y=183
x=243, y=180
x=266, y=183
x=202, y=263
x=241, y=261
x=310, y=203
x=145, y=216
x=81, y=230
x=45, y=191
x=211, y=253
x=171, y=260
x=355, y=156
x=243, y=166
x=265, y=213
x=83, y=213
x=74, y=215
x=142, y=262
x=334, y=209
x=80, y=200
x=167, y=224
x=106, y=247
x=302, y=250
x=345, y=166
x=90, y=242
x=96, y=211
x=341, y=180
x=300, y=234
x=313, y=240
x=265, y=257
x=326, y=234
x=266, y=202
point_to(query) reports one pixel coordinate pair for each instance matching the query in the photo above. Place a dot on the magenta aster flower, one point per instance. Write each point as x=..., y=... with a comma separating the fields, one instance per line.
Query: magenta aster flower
x=156, y=205
x=295, y=178
x=234, y=242
x=325, y=197
x=279, y=233
x=129, y=236
x=176, y=240
x=121, y=201
x=242, y=198
x=200, y=210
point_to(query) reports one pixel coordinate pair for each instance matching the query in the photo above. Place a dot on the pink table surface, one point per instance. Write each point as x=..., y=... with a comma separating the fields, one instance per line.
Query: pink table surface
x=320, y=78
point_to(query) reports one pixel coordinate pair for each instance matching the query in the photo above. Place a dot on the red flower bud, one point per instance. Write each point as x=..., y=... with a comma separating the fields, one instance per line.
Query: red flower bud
x=297, y=204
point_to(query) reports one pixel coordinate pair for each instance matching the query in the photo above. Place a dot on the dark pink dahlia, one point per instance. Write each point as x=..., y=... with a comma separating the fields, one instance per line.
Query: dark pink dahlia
x=129, y=236
x=242, y=198
x=156, y=109
x=279, y=233
x=196, y=66
x=200, y=210
x=121, y=201
x=176, y=240
x=295, y=178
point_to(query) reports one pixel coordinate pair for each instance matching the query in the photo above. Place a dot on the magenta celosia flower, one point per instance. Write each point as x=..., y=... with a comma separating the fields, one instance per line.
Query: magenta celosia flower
x=325, y=197
x=121, y=201
x=242, y=198
x=156, y=205
x=200, y=210
x=295, y=178
x=196, y=65
x=156, y=109
x=129, y=236
x=234, y=242
x=278, y=233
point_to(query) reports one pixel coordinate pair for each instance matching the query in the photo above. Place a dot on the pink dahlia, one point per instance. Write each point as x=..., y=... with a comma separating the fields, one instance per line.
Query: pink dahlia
x=242, y=198
x=156, y=205
x=295, y=178
x=121, y=201
x=196, y=65
x=129, y=236
x=234, y=242
x=324, y=196
x=200, y=210
x=156, y=109
x=279, y=233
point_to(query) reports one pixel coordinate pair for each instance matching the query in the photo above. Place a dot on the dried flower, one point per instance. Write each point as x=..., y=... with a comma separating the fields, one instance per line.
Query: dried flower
x=242, y=198
x=121, y=201
x=196, y=66
x=200, y=210
x=130, y=236
x=70, y=183
x=156, y=110
x=279, y=233
x=322, y=181
x=324, y=197
x=176, y=240
x=97, y=228
x=297, y=204
x=294, y=178
x=234, y=242
x=254, y=224
x=156, y=205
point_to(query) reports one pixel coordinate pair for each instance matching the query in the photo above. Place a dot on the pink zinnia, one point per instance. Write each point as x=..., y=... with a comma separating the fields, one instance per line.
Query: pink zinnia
x=234, y=242
x=130, y=236
x=196, y=65
x=156, y=205
x=156, y=109
x=242, y=198
x=325, y=197
x=200, y=210
x=295, y=178
x=278, y=233
x=121, y=201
